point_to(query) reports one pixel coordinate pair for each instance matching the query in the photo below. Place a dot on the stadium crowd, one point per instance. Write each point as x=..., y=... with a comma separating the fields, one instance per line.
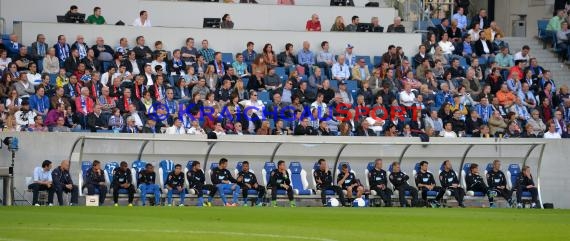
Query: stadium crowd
x=462, y=82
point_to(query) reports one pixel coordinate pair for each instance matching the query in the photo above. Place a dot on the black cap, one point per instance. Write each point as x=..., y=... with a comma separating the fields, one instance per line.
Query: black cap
x=25, y=102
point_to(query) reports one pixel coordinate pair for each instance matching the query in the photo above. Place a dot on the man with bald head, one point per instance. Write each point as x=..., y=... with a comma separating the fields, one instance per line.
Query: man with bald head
x=62, y=182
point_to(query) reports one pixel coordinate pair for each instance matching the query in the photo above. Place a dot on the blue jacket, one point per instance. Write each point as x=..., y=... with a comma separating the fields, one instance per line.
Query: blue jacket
x=39, y=104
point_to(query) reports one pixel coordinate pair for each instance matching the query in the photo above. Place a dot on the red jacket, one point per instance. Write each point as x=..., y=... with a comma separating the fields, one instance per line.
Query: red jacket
x=88, y=102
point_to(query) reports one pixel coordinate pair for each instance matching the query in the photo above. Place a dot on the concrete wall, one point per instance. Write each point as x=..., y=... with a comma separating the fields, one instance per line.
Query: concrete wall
x=191, y=14
x=507, y=11
x=365, y=43
x=34, y=148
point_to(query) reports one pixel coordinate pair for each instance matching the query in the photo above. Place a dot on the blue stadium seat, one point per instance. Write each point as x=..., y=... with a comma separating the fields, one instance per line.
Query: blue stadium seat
x=164, y=168
x=105, y=131
x=264, y=97
x=463, y=63
x=136, y=167
x=366, y=59
x=280, y=71
x=109, y=168
x=377, y=60
x=52, y=79
x=316, y=167
x=333, y=84
x=299, y=179
x=431, y=194
x=245, y=81
x=513, y=174
x=543, y=34
x=85, y=166
x=436, y=21
x=227, y=58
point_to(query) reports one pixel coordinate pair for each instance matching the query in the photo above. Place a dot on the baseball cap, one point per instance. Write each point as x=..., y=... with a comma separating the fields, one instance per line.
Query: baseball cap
x=349, y=46
x=342, y=82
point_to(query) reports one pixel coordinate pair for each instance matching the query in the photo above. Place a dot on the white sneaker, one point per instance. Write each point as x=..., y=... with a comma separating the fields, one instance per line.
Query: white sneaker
x=37, y=204
x=181, y=205
x=533, y=205
x=519, y=205
x=50, y=205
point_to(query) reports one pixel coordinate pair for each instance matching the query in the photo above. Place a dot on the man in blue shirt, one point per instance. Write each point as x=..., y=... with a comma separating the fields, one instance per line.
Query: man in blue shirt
x=460, y=18
x=249, y=55
x=42, y=181
x=306, y=58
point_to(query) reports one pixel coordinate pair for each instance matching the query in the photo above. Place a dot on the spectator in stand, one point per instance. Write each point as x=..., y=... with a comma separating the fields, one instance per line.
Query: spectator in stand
x=554, y=24
x=142, y=20
x=287, y=59
x=563, y=41
x=397, y=26
x=552, y=132
x=96, y=18
x=340, y=70
x=38, y=51
x=207, y=52
x=306, y=57
x=23, y=59
x=313, y=25
x=269, y=56
x=481, y=19
x=492, y=31
x=352, y=27
x=338, y=25
x=484, y=48
x=227, y=22
x=360, y=71
x=286, y=2
x=325, y=59
x=375, y=24
x=249, y=54
x=524, y=54
x=12, y=46
x=460, y=18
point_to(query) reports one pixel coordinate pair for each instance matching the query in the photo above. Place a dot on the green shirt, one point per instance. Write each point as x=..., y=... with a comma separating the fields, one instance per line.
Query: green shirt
x=95, y=20
x=554, y=24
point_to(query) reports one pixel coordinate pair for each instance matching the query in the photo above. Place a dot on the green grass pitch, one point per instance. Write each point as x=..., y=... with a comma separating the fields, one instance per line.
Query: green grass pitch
x=275, y=224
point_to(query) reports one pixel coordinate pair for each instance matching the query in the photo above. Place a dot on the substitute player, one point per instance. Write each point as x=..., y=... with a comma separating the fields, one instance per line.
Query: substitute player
x=449, y=181
x=175, y=185
x=497, y=181
x=323, y=178
x=400, y=181
x=348, y=182
x=280, y=181
x=475, y=183
x=248, y=181
x=197, y=181
x=223, y=180
x=122, y=179
x=426, y=182
x=146, y=181
x=378, y=180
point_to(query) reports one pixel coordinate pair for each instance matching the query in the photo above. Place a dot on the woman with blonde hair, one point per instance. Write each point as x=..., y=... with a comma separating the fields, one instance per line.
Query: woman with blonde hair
x=259, y=64
x=211, y=77
x=338, y=25
x=240, y=90
x=264, y=129
x=11, y=124
x=51, y=62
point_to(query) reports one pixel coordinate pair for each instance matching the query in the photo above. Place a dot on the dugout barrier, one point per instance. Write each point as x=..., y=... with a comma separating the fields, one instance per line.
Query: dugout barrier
x=307, y=150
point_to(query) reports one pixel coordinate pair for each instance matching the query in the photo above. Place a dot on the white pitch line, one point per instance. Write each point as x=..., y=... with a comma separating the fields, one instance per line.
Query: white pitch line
x=263, y=235
x=10, y=239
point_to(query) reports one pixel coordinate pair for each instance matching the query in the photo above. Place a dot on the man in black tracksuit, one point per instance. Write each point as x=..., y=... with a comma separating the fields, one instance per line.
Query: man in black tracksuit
x=95, y=180
x=475, y=183
x=347, y=180
x=400, y=182
x=122, y=179
x=223, y=180
x=497, y=181
x=248, y=181
x=426, y=182
x=525, y=183
x=378, y=181
x=324, y=180
x=62, y=183
x=197, y=181
x=449, y=181
x=280, y=181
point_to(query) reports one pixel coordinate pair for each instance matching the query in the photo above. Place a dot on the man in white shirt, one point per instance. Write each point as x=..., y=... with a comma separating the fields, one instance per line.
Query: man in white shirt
x=524, y=54
x=42, y=181
x=552, y=133
x=349, y=56
x=142, y=20
x=176, y=128
x=253, y=102
x=407, y=97
x=340, y=69
x=320, y=105
x=448, y=131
